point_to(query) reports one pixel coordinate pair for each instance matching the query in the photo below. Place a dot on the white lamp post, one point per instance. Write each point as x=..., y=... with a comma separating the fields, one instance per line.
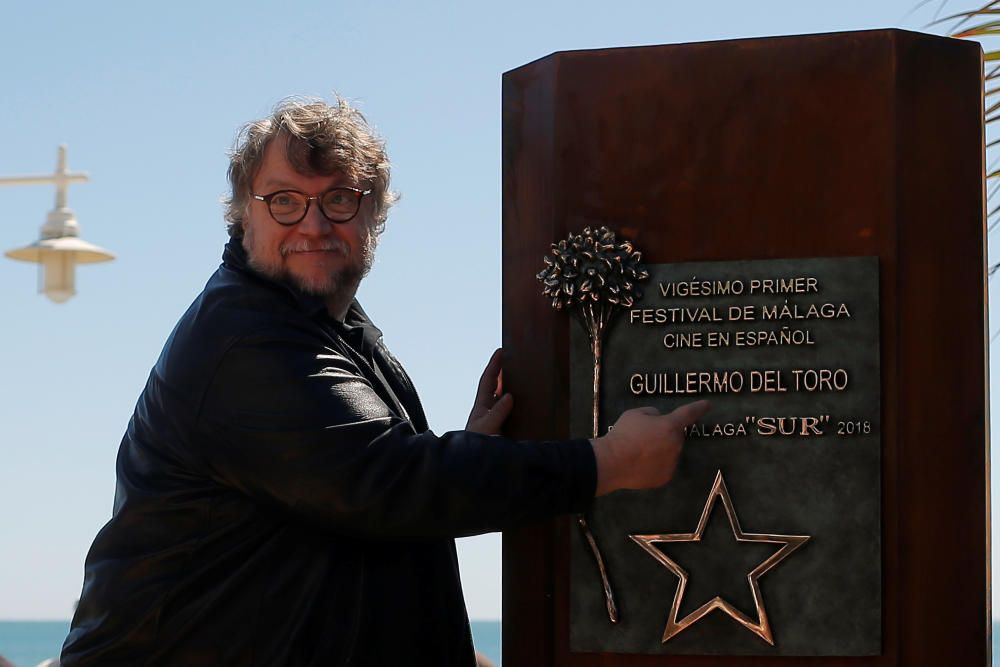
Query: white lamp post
x=60, y=247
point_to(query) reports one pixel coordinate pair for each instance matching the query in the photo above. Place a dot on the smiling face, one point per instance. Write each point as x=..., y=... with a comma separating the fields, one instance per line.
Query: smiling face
x=319, y=257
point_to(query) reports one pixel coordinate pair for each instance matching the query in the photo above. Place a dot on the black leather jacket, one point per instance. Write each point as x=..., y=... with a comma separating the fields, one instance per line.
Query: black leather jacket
x=280, y=500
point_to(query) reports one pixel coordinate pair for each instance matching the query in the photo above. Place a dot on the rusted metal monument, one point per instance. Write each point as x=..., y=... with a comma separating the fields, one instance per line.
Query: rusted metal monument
x=810, y=216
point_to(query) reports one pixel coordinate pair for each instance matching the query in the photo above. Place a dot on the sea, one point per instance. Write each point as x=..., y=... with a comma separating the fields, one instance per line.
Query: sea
x=27, y=643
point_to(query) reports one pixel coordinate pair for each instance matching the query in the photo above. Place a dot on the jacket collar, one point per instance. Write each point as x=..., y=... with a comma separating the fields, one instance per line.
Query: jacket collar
x=358, y=329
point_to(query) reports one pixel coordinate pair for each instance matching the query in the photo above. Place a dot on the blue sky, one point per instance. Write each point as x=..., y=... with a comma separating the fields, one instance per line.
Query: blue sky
x=149, y=99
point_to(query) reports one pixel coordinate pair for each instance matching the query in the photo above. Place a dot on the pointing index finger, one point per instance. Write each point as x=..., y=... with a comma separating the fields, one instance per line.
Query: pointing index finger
x=688, y=414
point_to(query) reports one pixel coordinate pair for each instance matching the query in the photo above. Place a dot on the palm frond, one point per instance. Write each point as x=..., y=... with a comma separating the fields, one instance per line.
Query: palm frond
x=993, y=190
x=992, y=7
x=981, y=30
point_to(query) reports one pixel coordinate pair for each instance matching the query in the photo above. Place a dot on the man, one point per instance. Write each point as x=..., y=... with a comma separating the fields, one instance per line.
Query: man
x=280, y=500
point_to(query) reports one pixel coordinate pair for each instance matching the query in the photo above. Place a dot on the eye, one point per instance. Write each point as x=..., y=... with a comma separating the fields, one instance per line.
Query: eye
x=286, y=204
x=339, y=198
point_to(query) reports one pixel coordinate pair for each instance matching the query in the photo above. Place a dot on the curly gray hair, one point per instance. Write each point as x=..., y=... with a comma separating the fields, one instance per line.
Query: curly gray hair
x=322, y=139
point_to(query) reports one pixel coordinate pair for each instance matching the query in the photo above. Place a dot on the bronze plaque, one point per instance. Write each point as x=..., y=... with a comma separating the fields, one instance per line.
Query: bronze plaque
x=768, y=540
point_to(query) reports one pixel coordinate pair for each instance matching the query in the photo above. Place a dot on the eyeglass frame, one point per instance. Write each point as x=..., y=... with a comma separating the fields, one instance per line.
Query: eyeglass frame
x=267, y=200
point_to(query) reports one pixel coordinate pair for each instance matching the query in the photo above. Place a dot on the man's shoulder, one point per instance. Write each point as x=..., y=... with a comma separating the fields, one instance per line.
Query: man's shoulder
x=233, y=307
x=236, y=304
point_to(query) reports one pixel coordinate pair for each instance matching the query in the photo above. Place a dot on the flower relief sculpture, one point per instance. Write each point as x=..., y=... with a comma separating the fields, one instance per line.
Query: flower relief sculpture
x=593, y=275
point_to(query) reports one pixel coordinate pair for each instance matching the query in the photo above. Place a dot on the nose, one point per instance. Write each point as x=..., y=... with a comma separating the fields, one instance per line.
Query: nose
x=315, y=223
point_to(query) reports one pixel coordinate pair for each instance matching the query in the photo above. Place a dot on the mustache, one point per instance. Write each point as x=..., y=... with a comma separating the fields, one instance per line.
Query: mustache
x=304, y=245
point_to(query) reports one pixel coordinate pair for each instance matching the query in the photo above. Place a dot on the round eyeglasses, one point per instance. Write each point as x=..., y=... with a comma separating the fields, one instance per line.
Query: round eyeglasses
x=289, y=207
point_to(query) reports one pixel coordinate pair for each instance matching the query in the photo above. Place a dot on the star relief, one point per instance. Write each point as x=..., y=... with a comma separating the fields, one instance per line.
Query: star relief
x=762, y=627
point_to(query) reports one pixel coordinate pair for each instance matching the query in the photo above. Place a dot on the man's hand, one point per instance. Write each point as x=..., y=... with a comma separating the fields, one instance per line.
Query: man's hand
x=642, y=449
x=492, y=405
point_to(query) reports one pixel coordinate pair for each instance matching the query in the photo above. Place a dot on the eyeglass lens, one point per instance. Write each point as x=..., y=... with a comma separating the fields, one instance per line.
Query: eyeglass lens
x=339, y=205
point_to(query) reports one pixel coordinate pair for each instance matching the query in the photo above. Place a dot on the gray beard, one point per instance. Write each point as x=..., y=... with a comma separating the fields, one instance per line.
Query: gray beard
x=337, y=284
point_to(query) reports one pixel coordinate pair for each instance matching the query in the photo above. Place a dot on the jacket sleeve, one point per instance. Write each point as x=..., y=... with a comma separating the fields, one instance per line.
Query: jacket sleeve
x=307, y=433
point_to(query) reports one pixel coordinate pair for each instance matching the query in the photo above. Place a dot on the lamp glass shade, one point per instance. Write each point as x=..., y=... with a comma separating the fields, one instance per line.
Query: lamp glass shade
x=58, y=275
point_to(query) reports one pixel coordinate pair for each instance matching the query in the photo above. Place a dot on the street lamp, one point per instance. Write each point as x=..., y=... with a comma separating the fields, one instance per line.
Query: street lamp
x=60, y=247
